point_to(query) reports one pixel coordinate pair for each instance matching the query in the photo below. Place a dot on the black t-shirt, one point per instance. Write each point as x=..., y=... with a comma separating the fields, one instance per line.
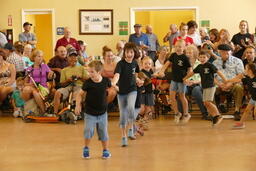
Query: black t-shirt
x=96, y=96
x=251, y=84
x=236, y=39
x=140, y=90
x=127, y=80
x=206, y=72
x=149, y=87
x=180, y=65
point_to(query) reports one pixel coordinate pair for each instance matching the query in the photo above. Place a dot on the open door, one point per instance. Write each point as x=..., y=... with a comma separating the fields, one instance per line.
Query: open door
x=43, y=28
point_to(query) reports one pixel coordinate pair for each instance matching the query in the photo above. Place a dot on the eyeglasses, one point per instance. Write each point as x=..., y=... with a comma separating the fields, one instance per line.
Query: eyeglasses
x=224, y=64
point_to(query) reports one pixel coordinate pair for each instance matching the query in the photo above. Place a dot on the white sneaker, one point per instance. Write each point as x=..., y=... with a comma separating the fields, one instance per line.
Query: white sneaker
x=177, y=118
x=186, y=118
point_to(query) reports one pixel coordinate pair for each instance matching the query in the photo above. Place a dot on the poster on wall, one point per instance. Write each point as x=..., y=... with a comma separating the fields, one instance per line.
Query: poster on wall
x=123, y=28
x=96, y=22
x=60, y=30
x=205, y=23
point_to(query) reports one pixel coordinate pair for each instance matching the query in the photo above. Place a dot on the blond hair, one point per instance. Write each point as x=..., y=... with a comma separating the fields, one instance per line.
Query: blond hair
x=97, y=65
x=35, y=53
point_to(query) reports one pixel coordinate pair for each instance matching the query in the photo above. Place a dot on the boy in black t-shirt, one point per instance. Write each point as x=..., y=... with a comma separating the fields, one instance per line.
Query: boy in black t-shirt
x=95, y=90
x=207, y=71
x=249, y=79
x=180, y=67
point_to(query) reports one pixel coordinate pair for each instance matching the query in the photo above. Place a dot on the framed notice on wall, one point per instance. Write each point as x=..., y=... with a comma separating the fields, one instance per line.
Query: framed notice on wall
x=96, y=22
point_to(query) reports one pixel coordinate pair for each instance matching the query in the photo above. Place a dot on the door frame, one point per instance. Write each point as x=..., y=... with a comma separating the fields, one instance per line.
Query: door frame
x=136, y=9
x=40, y=11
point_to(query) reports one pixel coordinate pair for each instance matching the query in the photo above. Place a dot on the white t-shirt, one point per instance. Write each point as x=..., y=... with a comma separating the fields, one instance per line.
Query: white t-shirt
x=158, y=66
x=196, y=39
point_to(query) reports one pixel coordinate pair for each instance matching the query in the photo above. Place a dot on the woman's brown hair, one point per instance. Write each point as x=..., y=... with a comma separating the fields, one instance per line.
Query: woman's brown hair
x=105, y=49
x=252, y=67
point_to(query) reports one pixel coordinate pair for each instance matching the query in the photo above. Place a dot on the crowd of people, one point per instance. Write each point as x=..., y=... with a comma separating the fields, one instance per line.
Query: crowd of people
x=205, y=65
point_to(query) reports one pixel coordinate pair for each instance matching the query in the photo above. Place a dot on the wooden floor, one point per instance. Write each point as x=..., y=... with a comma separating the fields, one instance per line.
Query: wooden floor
x=165, y=147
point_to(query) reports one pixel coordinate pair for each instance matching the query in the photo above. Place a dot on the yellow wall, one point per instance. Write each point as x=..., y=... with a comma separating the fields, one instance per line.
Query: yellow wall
x=161, y=20
x=42, y=27
x=222, y=14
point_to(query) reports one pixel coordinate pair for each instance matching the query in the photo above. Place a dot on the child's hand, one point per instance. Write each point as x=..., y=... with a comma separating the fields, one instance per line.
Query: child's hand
x=116, y=87
x=78, y=110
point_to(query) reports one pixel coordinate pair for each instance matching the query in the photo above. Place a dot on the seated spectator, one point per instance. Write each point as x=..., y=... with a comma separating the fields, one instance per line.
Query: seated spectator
x=184, y=35
x=224, y=38
x=71, y=74
x=161, y=59
x=171, y=35
x=57, y=63
x=230, y=66
x=207, y=48
x=120, y=49
x=3, y=40
x=243, y=39
x=83, y=59
x=7, y=77
x=193, y=84
x=39, y=72
x=26, y=55
x=27, y=37
x=249, y=55
x=204, y=35
x=17, y=102
x=109, y=66
x=67, y=40
x=214, y=34
x=14, y=57
x=192, y=27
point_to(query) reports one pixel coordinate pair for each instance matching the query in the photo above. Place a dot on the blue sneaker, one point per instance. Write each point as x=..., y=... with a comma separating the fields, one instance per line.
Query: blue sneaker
x=124, y=142
x=131, y=135
x=106, y=154
x=86, y=153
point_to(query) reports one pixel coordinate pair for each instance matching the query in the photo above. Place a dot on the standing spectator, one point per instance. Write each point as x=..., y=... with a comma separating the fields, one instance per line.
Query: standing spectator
x=192, y=26
x=230, y=66
x=184, y=35
x=153, y=43
x=67, y=40
x=139, y=38
x=242, y=39
x=58, y=62
x=3, y=40
x=171, y=35
x=27, y=37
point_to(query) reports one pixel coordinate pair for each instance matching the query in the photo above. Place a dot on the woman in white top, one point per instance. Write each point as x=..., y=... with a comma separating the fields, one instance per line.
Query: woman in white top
x=192, y=27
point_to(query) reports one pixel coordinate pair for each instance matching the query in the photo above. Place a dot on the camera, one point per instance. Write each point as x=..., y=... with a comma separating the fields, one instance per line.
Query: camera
x=74, y=77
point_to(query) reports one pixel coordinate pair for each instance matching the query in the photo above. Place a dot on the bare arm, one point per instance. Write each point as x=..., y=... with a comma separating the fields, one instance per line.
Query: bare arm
x=13, y=74
x=236, y=79
x=79, y=98
x=221, y=76
x=189, y=74
x=166, y=65
x=115, y=79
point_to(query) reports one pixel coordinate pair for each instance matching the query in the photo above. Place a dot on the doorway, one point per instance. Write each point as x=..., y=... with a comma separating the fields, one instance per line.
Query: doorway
x=43, y=27
x=161, y=18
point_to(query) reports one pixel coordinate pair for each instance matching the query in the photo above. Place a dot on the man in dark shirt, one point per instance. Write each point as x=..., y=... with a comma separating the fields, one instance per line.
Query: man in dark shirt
x=58, y=62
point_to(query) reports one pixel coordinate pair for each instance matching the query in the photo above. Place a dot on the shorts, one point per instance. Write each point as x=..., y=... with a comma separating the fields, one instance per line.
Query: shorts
x=208, y=94
x=178, y=87
x=147, y=99
x=65, y=91
x=252, y=102
x=101, y=124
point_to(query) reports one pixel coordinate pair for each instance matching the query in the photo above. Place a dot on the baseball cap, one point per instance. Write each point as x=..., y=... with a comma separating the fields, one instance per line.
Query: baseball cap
x=27, y=23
